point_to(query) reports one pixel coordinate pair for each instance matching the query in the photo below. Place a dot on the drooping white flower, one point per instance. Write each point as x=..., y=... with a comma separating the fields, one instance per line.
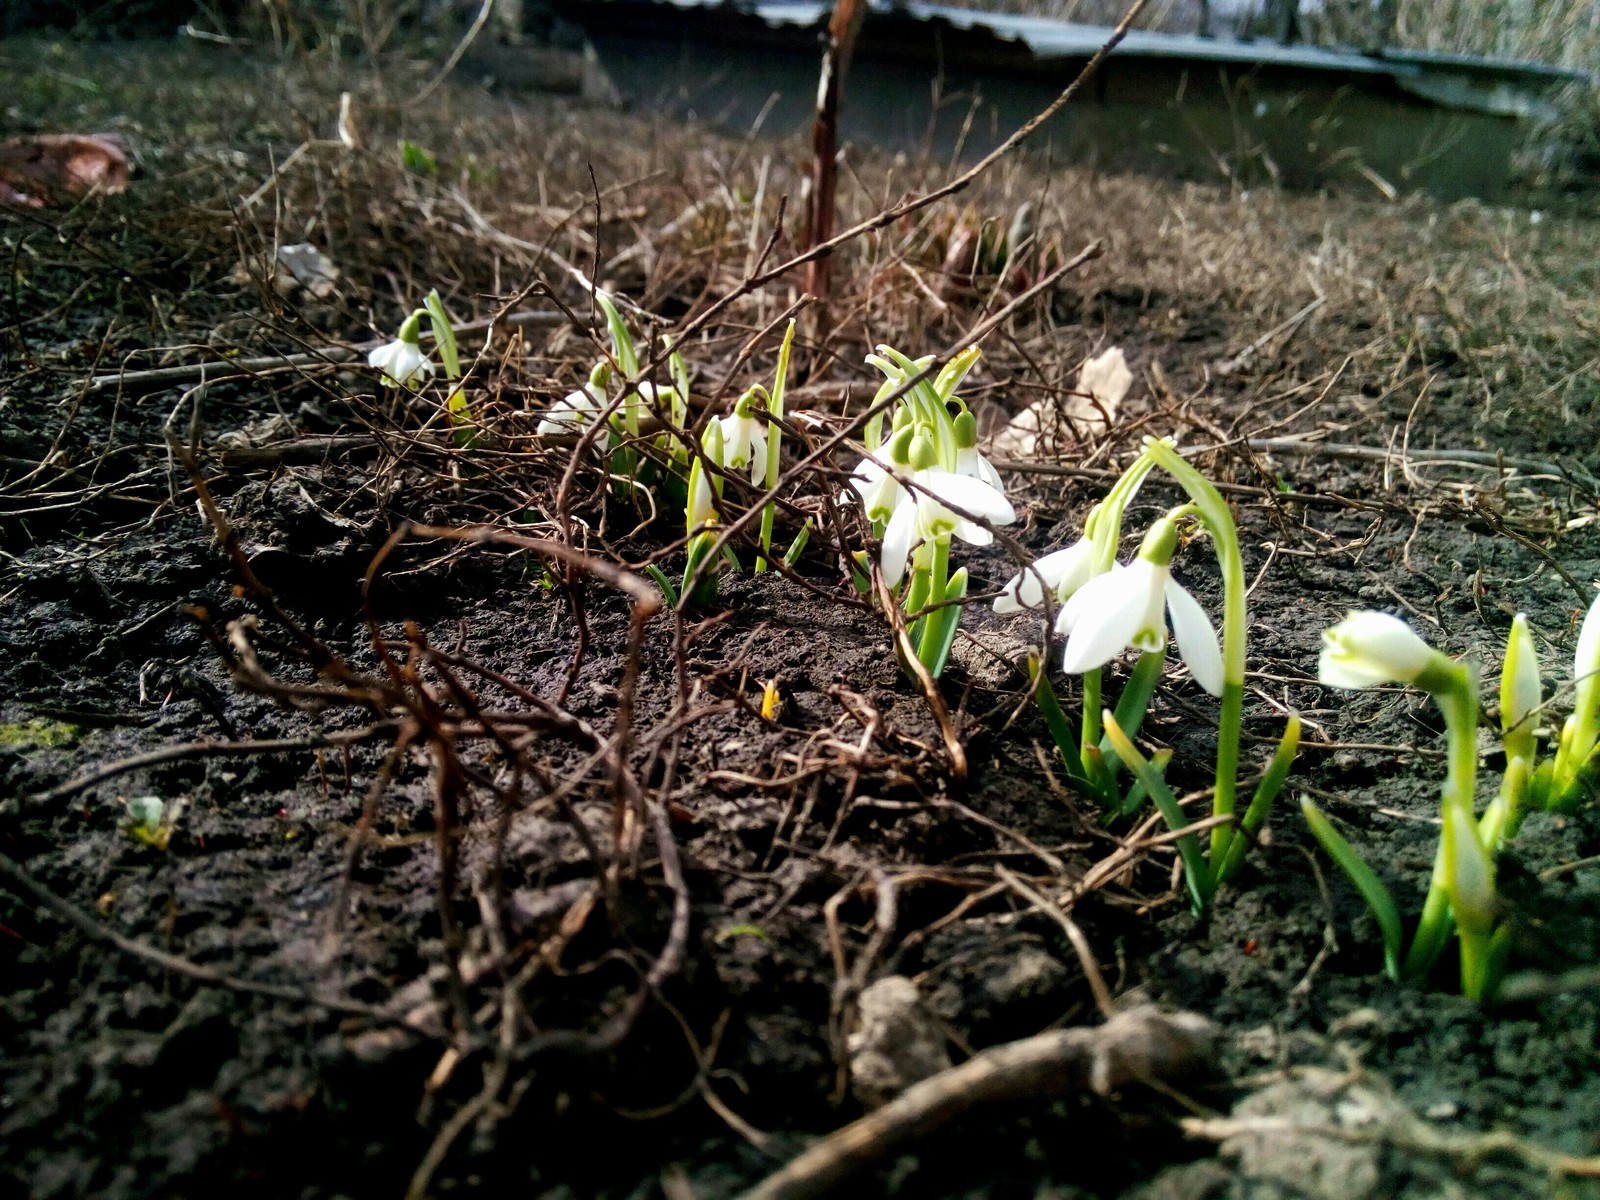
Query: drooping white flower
x=924, y=512
x=1062, y=571
x=878, y=489
x=1370, y=649
x=402, y=360
x=964, y=431
x=873, y=479
x=971, y=463
x=570, y=412
x=744, y=444
x=1127, y=608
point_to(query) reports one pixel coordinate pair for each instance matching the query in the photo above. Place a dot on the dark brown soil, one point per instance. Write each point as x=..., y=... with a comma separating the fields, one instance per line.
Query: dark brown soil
x=1443, y=328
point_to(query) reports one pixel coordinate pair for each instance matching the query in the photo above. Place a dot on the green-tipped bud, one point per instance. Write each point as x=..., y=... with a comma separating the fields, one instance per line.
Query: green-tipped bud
x=966, y=430
x=900, y=446
x=902, y=417
x=600, y=377
x=924, y=454
x=1519, y=690
x=1161, y=542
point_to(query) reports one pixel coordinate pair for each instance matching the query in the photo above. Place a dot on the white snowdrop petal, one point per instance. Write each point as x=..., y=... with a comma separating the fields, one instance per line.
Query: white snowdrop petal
x=1335, y=671
x=1196, y=638
x=1093, y=593
x=1021, y=591
x=897, y=540
x=968, y=494
x=973, y=535
x=1099, y=637
x=989, y=475
x=1374, y=648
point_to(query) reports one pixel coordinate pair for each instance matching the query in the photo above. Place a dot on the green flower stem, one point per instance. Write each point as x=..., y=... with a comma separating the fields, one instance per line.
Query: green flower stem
x=1134, y=700
x=774, y=444
x=1255, y=816
x=939, y=633
x=938, y=580
x=1089, y=736
x=1057, y=721
x=1202, y=885
x=1455, y=691
x=917, y=591
x=1218, y=518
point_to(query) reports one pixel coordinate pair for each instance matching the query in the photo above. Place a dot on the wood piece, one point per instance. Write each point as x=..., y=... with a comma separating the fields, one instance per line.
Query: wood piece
x=1142, y=1043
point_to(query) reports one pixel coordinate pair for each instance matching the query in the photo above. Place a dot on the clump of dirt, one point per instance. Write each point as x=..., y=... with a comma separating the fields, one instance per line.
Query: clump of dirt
x=480, y=861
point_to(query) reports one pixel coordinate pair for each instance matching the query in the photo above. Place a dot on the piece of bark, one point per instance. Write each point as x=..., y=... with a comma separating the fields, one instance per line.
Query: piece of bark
x=1143, y=1043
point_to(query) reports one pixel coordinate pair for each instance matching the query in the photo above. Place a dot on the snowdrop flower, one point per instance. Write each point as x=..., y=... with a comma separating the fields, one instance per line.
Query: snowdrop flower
x=572, y=410
x=744, y=439
x=402, y=360
x=924, y=512
x=880, y=492
x=968, y=460
x=1062, y=571
x=1128, y=607
x=1370, y=649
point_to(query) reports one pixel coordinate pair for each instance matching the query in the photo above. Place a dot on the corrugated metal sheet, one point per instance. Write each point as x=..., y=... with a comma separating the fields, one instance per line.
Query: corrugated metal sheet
x=1176, y=103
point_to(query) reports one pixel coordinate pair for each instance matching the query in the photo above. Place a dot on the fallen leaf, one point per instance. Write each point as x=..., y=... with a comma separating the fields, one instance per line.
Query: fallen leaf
x=1091, y=408
x=61, y=167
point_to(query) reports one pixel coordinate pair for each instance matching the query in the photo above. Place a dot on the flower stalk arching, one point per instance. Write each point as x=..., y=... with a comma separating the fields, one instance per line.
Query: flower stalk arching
x=1107, y=608
x=1454, y=689
x=1214, y=512
x=1369, y=649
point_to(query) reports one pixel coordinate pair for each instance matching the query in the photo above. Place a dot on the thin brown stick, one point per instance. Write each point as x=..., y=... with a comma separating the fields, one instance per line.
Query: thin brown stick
x=1091, y=968
x=25, y=884
x=1142, y=1043
x=188, y=750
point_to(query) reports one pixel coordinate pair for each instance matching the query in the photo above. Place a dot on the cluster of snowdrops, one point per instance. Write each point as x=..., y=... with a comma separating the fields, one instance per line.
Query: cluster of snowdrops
x=923, y=486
